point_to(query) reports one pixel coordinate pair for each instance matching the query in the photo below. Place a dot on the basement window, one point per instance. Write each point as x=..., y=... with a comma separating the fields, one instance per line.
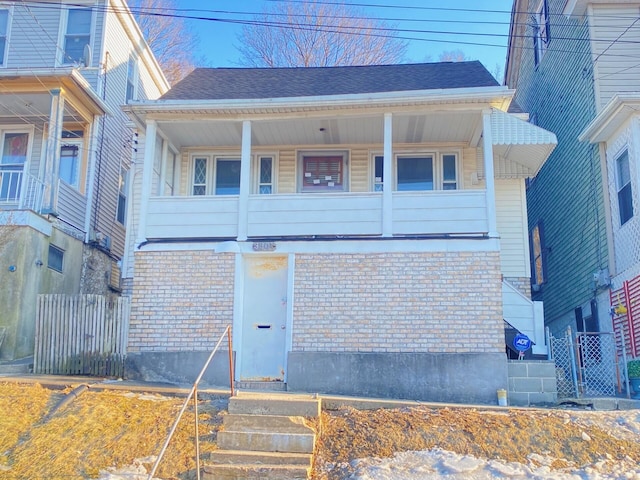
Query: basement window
x=56, y=258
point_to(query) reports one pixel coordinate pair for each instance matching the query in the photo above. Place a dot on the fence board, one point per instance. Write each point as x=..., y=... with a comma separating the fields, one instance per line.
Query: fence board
x=81, y=334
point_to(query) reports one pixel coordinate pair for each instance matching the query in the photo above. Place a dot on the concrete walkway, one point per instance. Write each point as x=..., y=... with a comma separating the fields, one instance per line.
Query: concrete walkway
x=329, y=402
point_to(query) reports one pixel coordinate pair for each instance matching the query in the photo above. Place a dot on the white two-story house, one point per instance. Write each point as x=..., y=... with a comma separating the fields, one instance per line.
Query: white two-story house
x=362, y=229
x=65, y=146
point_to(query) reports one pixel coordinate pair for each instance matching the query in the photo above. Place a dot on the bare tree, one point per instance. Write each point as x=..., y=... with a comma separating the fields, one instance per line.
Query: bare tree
x=453, y=56
x=170, y=40
x=314, y=34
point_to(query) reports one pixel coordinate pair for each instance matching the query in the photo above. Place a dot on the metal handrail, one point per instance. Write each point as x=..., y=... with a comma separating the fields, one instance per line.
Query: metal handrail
x=194, y=393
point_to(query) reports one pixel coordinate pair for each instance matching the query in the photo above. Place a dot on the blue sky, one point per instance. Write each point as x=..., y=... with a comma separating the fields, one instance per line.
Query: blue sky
x=478, y=23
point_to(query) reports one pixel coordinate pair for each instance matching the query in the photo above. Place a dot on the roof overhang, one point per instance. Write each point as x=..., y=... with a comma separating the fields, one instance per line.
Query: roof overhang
x=619, y=109
x=577, y=8
x=520, y=142
x=478, y=97
x=69, y=80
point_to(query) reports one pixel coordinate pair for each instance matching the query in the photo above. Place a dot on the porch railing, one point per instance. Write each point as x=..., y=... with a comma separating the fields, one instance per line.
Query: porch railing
x=21, y=190
x=289, y=215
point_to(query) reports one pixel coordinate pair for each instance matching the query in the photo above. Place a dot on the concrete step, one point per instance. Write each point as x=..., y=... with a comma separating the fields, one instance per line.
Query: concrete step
x=243, y=457
x=264, y=441
x=274, y=404
x=255, y=472
x=266, y=423
x=268, y=386
x=16, y=368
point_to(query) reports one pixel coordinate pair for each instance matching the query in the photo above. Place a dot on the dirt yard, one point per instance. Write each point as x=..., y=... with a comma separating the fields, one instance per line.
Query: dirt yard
x=103, y=434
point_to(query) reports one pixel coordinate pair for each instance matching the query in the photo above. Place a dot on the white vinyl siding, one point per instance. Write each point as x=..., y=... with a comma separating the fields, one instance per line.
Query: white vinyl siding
x=615, y=35
x=511, y=214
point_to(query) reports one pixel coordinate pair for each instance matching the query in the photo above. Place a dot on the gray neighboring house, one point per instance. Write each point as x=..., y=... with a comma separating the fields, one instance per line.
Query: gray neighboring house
x=66, y=151
x=362, y=229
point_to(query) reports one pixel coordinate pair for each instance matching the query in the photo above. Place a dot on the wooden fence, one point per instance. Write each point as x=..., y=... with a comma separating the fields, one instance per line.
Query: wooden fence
x=81, y=335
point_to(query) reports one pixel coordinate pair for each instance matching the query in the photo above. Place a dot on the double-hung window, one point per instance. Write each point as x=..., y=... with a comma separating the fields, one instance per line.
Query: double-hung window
x=77, y=35
x=323, y=171
x=123, y=188
x=14, y=148
x=541, y=28
x=416, y=172
x=4, y=33
x=71, y=157
x=215, y=175
x=132, y=80
x=623, y=183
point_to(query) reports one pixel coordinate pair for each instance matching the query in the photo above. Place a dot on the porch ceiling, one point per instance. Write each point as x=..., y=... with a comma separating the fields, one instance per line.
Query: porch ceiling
x=33, y=105
x=408, y=128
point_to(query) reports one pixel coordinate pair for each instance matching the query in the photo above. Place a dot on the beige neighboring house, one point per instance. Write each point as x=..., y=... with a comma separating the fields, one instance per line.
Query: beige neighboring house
x=362, y=229
x=66, y=151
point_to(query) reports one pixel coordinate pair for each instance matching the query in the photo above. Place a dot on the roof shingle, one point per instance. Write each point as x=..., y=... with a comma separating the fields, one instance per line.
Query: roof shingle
x=255, y=83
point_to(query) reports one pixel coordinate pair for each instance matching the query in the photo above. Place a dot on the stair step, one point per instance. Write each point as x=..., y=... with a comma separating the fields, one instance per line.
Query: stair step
x=263, y=441
x=268, y=386
x=255, y=472
x=266, y=423
x=274, y=404
x=262, y=458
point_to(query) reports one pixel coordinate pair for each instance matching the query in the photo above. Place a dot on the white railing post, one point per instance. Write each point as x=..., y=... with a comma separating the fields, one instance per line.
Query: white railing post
x=147, y=178
x=489, y=173
x=245, y=181
x=387, y=177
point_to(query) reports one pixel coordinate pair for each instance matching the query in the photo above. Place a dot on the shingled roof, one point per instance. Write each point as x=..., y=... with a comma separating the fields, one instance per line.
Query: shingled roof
x=254, y=83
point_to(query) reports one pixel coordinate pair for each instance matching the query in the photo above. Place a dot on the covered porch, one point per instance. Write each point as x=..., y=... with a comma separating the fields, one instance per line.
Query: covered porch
x=368, y=166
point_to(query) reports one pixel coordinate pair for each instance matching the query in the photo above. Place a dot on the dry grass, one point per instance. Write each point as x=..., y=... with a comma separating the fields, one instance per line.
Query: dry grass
x=100, y=429
x=350, y=434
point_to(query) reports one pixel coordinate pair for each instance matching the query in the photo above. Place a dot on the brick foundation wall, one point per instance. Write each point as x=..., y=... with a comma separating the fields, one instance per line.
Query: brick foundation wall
x=181, y=300
x=398, y=302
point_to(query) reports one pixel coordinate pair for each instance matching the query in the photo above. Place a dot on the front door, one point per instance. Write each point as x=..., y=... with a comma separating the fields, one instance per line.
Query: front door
x=264, y=319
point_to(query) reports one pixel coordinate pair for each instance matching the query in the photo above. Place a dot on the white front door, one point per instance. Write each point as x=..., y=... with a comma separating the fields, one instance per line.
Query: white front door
x=264, y=319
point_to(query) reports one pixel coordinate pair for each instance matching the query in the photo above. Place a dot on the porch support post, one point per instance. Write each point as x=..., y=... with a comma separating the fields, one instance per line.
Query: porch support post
x=489, y=173
x=52, y=164
x=245, y=181
x=163, y=167
x=387, y=177
x=147, y=178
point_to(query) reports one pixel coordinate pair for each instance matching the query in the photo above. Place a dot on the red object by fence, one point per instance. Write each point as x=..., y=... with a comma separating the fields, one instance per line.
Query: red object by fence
x=625, y=311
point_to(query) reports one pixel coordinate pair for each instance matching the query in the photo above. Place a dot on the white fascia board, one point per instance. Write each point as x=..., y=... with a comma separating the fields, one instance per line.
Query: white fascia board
x=619, y=109
x=499, y=94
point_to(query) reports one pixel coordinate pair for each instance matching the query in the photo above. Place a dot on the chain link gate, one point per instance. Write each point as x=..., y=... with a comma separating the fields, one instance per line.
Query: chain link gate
x=587, y=365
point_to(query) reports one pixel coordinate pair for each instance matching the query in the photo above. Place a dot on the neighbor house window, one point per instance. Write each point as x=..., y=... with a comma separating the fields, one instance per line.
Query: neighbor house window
x=4, y=26
x=538, y=259
x=541, y=31
x=71, y=156
x=78, y=34
x=415, y=173
x=324, y=172
x=625, y=201
x=131, y=79
x=449, y=171
x=55, y=259
x=123, y=187
x=14, y=150
x=215, y=175
x=266, y=175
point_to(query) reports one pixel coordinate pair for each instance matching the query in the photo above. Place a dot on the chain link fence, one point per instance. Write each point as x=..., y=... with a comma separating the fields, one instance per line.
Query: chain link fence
x=587, y=364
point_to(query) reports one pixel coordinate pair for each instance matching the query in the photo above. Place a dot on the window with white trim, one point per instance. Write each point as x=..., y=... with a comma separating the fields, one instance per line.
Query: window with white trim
x=132, y=79
x=55, y=259
x=422, y=171
x=323, y=171
x=378, y=173
x=541, y=29
x=265, y=165
x=123, y=188
x=14, y=148
x=77, y=34
x=213, y=175
x=623, y=184
x=4, y=33
x=71, y=157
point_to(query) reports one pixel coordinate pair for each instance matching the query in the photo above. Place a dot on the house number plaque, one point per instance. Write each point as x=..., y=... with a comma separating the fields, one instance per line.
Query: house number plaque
x=264, y=246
